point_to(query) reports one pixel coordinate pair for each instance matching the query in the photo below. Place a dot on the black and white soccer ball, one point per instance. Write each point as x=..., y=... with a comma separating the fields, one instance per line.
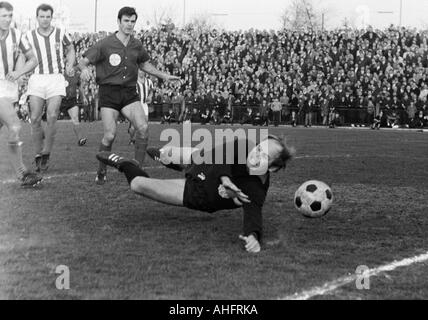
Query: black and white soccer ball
x=313, y=199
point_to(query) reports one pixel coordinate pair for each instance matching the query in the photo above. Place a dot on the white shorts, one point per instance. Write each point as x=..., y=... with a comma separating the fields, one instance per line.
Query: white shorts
x=146, y=109
x=46, y=86
x=9, y=90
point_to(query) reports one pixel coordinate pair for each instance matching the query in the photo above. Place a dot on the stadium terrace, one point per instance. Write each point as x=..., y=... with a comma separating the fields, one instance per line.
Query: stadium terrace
x=339, y=77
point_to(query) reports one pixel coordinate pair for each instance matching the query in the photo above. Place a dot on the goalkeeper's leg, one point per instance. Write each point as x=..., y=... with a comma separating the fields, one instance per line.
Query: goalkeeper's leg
x=166, y=191
x=171, y=157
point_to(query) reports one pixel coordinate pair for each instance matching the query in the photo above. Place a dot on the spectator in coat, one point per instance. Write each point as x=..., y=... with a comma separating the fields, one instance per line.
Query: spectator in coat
x=276, y=108
x=169, y=117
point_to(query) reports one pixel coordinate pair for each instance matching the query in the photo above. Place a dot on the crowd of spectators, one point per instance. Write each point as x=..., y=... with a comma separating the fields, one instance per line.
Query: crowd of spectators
x=300, y=78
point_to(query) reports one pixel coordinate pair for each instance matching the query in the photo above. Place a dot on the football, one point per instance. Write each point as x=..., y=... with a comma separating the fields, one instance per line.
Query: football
x=313, y=199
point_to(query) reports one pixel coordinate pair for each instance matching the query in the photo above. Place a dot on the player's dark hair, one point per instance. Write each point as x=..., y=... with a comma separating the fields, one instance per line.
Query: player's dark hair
x=44, y=7
x=6, y=5
x=284, y=156
x=128, y=12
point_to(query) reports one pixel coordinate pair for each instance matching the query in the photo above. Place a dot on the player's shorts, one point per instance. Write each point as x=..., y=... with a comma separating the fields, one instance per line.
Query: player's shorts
x=117, y=97
x=68, y=104
x=46, y=86
x=195, y=196
x=9, y=90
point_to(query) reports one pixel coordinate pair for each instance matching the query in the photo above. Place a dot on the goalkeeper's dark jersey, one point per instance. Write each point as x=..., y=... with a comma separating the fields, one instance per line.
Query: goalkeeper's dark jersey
x=203, y=182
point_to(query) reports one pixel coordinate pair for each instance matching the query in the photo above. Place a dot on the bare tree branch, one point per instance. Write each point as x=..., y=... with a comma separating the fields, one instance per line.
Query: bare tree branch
x=303, y=15
x=163, y=16
x=202, y=23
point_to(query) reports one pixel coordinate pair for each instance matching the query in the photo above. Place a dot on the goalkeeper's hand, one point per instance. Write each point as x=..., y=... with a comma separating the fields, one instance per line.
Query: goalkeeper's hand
x=252, y=245
x=234, y=192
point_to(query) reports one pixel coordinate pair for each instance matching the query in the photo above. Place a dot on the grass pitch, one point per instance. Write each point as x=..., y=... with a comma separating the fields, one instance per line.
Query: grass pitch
x=121, y=246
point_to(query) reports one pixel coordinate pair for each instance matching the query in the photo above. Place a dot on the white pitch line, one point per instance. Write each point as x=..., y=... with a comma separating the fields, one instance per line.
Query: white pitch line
x=324, y=156
x=343, y=281
x=68, y=175
x=78, y=174
x=10, y=181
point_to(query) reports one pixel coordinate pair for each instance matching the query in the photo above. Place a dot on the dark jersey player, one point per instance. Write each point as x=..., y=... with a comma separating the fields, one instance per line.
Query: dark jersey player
x=69, y=103
x=117, y=59
x=213, y=187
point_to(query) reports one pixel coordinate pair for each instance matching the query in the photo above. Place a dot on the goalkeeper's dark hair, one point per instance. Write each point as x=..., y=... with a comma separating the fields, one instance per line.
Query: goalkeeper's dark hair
x=286, y=154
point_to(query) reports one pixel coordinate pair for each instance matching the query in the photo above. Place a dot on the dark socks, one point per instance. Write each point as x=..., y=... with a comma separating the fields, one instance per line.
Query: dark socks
x=132, y=171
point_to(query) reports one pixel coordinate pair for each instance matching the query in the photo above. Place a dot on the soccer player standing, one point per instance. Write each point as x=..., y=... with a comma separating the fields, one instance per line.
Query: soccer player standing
x=117, y=59
x=12, y=46
x=47, y=84
x=69, y=103
x=145, y=86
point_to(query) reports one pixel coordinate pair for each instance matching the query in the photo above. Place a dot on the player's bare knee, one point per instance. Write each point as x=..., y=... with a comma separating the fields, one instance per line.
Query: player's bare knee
x=36, y=122
x=142, y=131
x=14, y=131
x=75, y=121
x=144, y=128
x=109, y=137
x=51, y=118
x=137, y=186
x=15, y=128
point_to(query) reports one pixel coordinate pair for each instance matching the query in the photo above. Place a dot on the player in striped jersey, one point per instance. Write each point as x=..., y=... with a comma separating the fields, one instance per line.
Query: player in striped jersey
x=145, y=86
x=14, y=49
x=47, y=84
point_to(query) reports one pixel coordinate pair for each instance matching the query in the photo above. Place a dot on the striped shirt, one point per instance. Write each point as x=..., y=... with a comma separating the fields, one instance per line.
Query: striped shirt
x=145, y=88
x=49, y=50
x=11, y=47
